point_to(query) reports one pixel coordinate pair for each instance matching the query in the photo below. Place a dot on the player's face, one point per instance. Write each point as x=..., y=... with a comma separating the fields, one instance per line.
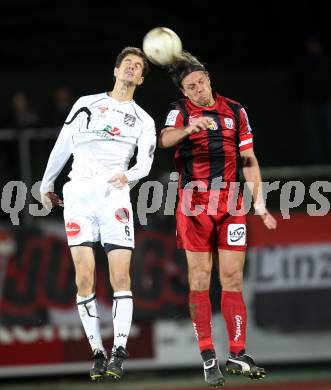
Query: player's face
x=196, y=86
x=130, y=70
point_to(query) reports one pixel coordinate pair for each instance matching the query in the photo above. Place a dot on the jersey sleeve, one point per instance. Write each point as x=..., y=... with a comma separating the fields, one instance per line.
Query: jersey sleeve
x=61, y=151
x=175, y=117
x=245, y=132
x=146, y=146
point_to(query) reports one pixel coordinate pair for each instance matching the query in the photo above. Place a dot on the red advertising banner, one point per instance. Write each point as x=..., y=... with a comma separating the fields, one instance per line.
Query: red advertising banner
x=288, y=271
x=299, y=229
x=51, y=344
x=38, y=275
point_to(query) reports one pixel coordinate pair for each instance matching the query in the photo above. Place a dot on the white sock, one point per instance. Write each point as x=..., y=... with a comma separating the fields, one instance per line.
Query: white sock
x=122, y=317
x=87, y=309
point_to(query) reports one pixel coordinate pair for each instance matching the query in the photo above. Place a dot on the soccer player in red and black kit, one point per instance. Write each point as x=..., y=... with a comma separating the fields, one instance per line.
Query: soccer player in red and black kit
x=213, y=140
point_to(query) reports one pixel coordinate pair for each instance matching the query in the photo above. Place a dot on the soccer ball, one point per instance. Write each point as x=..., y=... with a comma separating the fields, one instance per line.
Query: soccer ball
x=162, y=46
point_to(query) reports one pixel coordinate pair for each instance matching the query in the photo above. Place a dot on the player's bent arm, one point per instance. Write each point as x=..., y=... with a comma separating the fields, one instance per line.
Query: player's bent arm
x=146, y=147
x=171, y=136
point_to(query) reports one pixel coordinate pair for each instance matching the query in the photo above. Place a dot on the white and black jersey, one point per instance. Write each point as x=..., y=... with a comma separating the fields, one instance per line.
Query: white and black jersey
x=102, y=133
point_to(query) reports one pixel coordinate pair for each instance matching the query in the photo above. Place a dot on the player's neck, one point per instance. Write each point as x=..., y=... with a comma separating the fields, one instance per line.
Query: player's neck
x=122, y=92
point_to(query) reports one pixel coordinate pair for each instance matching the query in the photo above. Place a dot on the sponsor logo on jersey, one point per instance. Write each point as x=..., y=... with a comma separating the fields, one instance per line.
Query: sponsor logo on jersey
x=236, y=234
x=171, y=118
x=122, y=215
x=228, y=123
x=73, y=228
x=117, y=110
x=212, y=124
x=129, y=120
x=102, y=111
x=112, y=130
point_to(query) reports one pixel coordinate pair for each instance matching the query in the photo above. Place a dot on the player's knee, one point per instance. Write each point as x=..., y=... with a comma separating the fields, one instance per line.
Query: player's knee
x=85, y=284
x=199, y=280
x=232, y=281
x=121, y=281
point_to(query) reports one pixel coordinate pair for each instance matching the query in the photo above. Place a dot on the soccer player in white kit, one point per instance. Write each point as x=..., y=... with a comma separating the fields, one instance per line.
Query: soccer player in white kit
x=102, y=132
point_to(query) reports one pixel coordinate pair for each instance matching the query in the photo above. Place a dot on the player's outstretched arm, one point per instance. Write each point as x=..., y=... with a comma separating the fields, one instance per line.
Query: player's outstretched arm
x=59, y=156
x=50, y=200
x=252, y=174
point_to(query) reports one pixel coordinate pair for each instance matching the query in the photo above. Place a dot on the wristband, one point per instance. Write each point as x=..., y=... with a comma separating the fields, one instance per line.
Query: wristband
x=260, y=209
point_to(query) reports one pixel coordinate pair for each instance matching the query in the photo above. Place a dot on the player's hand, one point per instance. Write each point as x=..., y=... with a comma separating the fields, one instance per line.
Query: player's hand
x=50, y=200
x=198, y=124
x=119, y=180
x=269, y=221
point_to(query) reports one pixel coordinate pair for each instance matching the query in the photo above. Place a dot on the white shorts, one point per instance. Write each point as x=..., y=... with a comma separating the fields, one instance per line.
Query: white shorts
x=96, y=211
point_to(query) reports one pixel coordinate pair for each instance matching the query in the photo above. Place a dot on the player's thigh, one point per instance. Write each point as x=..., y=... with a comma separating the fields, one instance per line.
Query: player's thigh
x=199, y=265
x=195, y=233
x=119, y=261
x=231, y=266
x=84, y=261
x=79, y=218
x=115, y=219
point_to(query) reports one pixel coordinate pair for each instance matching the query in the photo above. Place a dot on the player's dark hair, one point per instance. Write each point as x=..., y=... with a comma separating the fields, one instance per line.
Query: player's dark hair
x=137, y=52
x=185, y=65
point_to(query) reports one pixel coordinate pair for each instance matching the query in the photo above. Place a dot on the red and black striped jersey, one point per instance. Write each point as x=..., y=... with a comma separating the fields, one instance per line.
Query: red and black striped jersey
x=212, y=153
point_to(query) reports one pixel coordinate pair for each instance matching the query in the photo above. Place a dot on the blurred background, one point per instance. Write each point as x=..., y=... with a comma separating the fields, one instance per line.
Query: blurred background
x=274, y=58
